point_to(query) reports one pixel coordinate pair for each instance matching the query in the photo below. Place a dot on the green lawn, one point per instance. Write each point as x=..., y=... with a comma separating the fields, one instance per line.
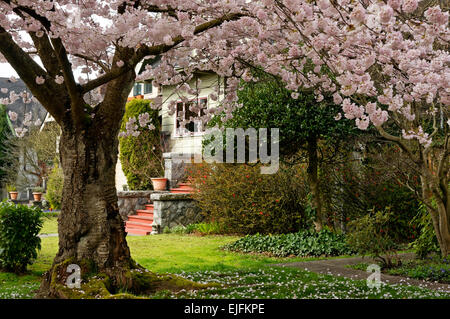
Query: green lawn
x=200, y=259
x=50, y=225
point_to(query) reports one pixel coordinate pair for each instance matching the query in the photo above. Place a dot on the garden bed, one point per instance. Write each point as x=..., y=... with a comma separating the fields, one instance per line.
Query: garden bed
x=308, y=243
x=432, y=269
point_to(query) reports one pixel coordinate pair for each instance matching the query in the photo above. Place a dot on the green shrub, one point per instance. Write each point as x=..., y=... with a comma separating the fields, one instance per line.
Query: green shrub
x=355, y=188
x=19, y=241
x=431, y=269
x=190, y=228
x=372, y=235
x=426, y=242
x=179, y=229
x=304, y=243
x=248, y=202
x=213, y=228
x=141, y=156
x=55, y=187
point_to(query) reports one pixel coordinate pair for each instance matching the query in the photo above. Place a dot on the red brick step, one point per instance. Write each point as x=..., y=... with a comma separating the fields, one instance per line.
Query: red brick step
x=141, y=219
x=136, y=225
x=144, y=212
x=134, y=231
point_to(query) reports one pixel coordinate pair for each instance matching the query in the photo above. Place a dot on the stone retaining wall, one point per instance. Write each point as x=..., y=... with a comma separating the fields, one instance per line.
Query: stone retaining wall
x=174, y=209
x=129, y=201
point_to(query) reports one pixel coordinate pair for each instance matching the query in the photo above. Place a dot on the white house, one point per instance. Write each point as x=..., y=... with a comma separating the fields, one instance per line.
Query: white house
x=187, y=140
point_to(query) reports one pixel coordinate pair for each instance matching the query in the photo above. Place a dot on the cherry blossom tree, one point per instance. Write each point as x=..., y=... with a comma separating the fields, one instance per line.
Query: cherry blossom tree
x=47, y=43
x=386, y=62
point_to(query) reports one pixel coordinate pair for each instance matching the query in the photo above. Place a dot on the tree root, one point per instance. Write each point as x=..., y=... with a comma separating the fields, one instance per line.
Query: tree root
x=117, y=283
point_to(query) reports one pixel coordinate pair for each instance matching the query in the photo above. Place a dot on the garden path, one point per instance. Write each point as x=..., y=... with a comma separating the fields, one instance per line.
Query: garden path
x=336, y=267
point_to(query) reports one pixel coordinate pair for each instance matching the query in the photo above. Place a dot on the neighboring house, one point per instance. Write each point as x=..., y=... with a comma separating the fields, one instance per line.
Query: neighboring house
x=21, y=108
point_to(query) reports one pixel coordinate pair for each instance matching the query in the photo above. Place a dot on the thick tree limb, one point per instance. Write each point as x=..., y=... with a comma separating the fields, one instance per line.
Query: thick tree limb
x=48, y=93
x=46, y=53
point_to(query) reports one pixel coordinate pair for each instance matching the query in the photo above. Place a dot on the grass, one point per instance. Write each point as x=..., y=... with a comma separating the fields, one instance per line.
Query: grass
x=50, y=225
x=202, y=260
x=170, y=253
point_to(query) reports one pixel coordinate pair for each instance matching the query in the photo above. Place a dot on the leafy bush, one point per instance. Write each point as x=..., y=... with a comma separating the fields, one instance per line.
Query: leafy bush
x=427, y=242
x=431, y=269
x=209, y=228
x=200, y=228
x=141, y=156
x=248, y=202
x=267, y=103
x=354, y=189
x=372, y=235
x=19, y=241
x=303, y=243
x=179, y=229
x=55, y=187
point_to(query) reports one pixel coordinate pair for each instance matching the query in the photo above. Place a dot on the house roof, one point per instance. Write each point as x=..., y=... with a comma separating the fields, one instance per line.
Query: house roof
x=37, y=110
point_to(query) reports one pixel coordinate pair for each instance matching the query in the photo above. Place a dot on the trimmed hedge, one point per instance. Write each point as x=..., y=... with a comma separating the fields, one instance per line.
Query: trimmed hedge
x=304, y=243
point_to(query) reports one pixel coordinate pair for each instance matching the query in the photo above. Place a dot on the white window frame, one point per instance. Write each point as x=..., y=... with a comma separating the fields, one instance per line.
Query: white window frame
x=201, y=130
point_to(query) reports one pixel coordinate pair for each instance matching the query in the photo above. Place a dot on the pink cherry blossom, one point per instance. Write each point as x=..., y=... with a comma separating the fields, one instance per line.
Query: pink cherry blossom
x=12, y=115
x=409, y=6
x=59, y=79
x=40, y=80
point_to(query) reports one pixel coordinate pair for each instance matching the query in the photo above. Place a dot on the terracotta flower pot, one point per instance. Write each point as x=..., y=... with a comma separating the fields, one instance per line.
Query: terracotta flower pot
x=37, y=197
x=159, y=183
x=13, y=195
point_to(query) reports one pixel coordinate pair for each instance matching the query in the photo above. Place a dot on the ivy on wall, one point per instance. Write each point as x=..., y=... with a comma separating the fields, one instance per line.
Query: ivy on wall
x=141, y=155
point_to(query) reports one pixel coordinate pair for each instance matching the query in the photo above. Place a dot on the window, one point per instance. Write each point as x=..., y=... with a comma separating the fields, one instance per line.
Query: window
x=137, y=90
x=148, y=88
x=191, y=116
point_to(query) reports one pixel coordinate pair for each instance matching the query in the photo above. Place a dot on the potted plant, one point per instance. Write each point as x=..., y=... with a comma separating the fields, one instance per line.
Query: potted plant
x=37, y=193
x=12, y=190
x=160, y=183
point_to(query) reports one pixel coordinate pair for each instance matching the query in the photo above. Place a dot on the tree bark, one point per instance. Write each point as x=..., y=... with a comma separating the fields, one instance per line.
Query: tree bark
x=90, y=228
x=439, y=209
x=312, y=170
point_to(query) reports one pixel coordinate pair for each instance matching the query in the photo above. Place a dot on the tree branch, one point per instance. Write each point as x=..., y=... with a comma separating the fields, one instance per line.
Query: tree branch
x=48, y=93
x=144, y=51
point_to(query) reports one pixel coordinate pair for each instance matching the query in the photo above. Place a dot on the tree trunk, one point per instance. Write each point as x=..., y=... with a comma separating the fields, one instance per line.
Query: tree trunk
x=313, y=168
x=439, y=215
x=90, y=228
